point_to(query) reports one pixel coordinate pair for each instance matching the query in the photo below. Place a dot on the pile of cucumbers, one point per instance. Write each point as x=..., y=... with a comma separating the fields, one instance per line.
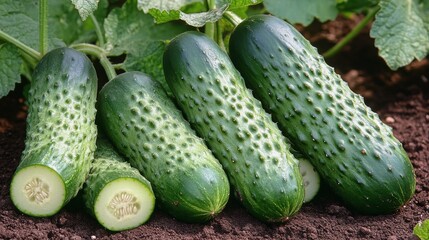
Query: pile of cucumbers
x=260, y=123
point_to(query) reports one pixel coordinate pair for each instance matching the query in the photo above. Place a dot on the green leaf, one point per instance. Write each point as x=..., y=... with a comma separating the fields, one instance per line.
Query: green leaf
x=168, y=5
x=356, y=5
x=421, y=230
x=10, y=66
x=401, y=31
x=128, y=29
x=148, y=60
x=200, y=19
x=20, y=20
x=134, y=33
x=85, y=7
x=234, y=4
x=193, y=12
x=165, y=14
x=302, y=11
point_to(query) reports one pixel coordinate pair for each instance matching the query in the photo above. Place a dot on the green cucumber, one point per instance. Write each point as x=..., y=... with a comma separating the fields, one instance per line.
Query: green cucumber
x=115, y=193
x=147, y=128
x=310, y=178
x=351, y=148
x=61, y=133
x=249, y=145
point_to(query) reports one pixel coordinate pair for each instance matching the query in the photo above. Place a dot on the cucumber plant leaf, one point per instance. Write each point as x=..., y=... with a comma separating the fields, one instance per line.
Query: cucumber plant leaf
x=193, y=12
x=85, y=7
x=421, y=230
x=401, y=31
x=19, y=19
x=355, y=5
x=303, y=11
x=10, y=65
x=129, y=31
x=233, y=4
x=149, y=61
x=165, y=11
x=192, y=19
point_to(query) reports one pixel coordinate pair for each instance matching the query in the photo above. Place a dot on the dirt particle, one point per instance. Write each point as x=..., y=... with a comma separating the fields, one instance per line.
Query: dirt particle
x=364, y=231
x=390, y=120
x=61, y=221
x=337, y=210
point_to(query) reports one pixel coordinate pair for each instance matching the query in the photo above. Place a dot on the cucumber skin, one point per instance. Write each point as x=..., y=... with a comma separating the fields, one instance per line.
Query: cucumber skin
x=251, y=148
x=355, y=153
x=146, y=127
x=61, y=131
x=107, y=166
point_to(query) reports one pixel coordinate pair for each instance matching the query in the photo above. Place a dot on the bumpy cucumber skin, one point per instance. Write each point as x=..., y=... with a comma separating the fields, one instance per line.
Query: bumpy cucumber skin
x=146, y=127
x=61, y=130
x=355, y=153
x=106, y=167
x=249, y=145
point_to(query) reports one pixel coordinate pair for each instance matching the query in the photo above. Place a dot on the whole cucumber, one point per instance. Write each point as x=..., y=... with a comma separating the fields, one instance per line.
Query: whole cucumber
x=351, y=148
x=249, y=145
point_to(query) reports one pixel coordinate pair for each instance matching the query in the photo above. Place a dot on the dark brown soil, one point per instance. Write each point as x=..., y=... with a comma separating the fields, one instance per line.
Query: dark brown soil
x=400, y=98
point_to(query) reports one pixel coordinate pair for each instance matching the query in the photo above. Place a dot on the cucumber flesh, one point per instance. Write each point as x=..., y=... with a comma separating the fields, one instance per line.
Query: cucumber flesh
x=310, y=179
x=38, y=191
x=124, y=203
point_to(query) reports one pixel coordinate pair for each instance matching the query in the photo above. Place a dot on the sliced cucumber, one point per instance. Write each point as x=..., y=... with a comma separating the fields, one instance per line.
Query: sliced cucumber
x=123, y=204
x=115, y=193
x=38, y=191
x=60, y=133
x=310, y=178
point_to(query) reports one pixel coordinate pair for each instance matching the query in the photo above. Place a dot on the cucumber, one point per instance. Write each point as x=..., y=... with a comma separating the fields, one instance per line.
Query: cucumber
x=146, y=127
x=249, y=145
x=115, y=193
x=310, y=178
x=351, y=148
x=61, y=133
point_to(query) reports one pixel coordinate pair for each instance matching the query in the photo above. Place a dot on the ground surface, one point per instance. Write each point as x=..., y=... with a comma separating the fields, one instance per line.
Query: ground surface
x=400, y=98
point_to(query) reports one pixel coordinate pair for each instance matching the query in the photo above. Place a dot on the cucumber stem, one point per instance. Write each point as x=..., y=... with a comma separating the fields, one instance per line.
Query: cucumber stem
x=26, y=49
x=98, y=30
x=210, y=27
x=43, y=26
x=219, y=36
x=101, y=54
x=233, y=18
x=352, y=34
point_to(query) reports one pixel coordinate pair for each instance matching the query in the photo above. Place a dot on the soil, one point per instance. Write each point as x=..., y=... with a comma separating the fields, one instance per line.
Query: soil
x=401, y=98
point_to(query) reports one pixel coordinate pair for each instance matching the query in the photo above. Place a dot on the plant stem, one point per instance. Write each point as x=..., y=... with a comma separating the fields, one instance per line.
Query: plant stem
x=28, y=50
x=101, y=54
x=352, y=34
x=219, y=36
x=43, y=26
x=118, y=65
x=233, y=18
x=98, y=30
x=210, y=27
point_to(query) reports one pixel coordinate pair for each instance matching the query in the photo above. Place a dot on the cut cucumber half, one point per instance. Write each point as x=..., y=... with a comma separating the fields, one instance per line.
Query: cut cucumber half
x=310, y=178
x=124, y=204
x=38, y=191
x=115, y=193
